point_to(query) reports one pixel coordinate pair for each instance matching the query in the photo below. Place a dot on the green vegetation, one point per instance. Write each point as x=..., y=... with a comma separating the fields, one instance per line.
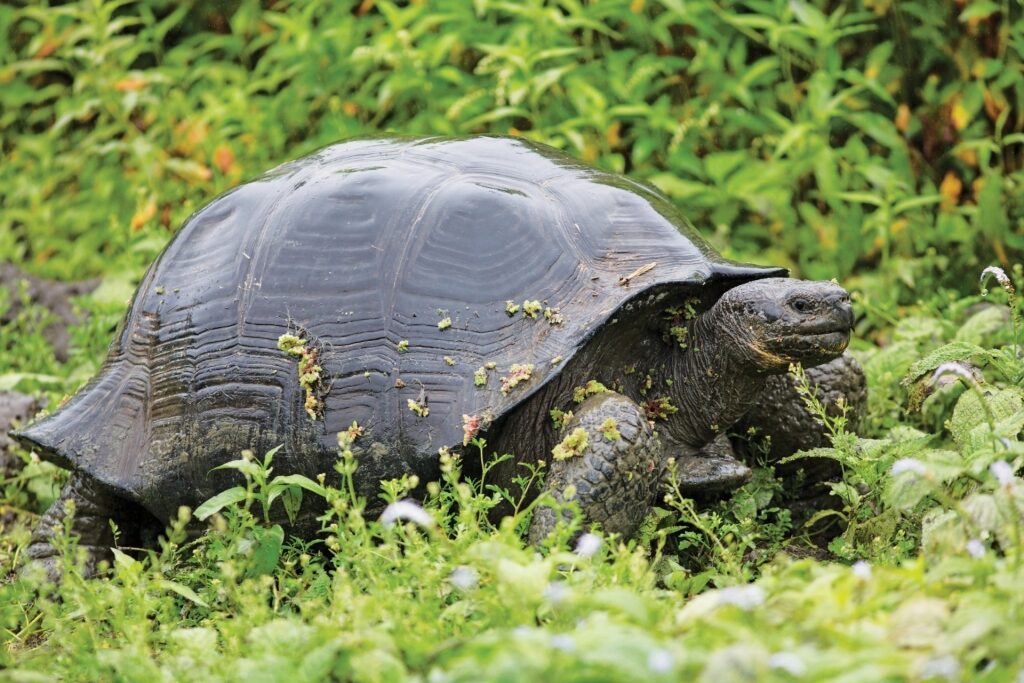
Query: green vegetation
x=876, y=142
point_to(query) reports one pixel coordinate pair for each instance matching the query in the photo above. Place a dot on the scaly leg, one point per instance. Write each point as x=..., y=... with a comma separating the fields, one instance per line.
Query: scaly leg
x=613, y=473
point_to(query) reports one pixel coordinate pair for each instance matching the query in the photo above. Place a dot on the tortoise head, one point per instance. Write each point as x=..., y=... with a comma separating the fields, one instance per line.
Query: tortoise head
x=778, y=321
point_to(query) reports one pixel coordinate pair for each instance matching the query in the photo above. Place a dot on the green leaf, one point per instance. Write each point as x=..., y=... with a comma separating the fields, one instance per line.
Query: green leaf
x=122, y=560
x=220, y=501
x=948, y=353
x=267, y=544
x=978, y=9
x=183, y=591
x=300, y=481
x=993, y=216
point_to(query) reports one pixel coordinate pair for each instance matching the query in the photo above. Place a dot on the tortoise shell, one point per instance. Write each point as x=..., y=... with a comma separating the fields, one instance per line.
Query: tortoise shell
x=362, y=249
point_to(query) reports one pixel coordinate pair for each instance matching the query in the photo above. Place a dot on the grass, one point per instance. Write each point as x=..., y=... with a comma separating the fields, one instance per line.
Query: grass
x=875, y=142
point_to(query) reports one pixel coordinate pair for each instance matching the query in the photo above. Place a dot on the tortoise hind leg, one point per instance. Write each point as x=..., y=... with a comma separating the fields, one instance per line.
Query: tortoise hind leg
x=613, y=472
x=92, y=510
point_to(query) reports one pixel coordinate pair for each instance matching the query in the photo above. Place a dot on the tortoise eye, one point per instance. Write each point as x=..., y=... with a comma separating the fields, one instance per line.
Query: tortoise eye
x=801, y=305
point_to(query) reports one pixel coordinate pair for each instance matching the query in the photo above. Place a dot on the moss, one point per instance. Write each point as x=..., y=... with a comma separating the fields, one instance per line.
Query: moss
x=580, y=394
x=518, y=373
x=531, y=308
x=572, y=445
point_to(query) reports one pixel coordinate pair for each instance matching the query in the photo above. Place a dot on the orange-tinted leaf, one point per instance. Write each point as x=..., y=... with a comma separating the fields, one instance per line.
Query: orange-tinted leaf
x=902, y=118
x=612, y=134
x=950, y=189
x=959, y=115
x=968, y=155
x=126, y=84
x=47, y=49
x=993, y=107
x=223, y=158
x=145, y=214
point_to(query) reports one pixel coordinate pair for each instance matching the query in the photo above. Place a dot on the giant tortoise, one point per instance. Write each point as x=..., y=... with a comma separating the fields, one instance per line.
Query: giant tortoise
x=434, y=291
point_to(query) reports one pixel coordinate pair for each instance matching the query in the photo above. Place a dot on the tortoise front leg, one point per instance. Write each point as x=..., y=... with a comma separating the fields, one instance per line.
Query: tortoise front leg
x=92, y=510
x=712, y=469
x=781, y=415
x=609, y=461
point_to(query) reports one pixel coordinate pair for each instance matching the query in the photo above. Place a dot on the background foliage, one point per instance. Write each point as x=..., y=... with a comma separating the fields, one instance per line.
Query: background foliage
x=878, y=142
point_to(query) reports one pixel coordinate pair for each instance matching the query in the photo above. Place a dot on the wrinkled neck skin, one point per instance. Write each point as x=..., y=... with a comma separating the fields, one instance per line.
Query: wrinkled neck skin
x=713, y=386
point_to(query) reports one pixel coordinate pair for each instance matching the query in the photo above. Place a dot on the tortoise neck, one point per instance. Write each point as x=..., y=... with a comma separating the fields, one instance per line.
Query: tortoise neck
x=714, y=387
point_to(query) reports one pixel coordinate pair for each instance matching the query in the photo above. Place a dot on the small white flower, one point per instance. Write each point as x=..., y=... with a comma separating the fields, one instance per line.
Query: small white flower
x=862, y=570
x=408, y=510
x=788, y=662
x=999, y=274
x=660, y=661
x=588, y=545
x=957, y=369
x=563, y=642
x=745, y=597
x=556, y=592
x=975, y=548
x=945, y=666
x=1002, y=471
x=464, y=578
x=912, y=465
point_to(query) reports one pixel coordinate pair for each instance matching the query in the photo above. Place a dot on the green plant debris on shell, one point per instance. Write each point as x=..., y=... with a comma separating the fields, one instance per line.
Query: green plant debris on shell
x=572, y=445
x=560, y=417
x=610, y=429
x=531, y=307
x=679, y=334
x=511, y=307
x=448, y=360
x=417, y=407
x=580, y=394
x=517, y=374
x=403, y=346
x=480, y=377
x=309, y=370
x=659, y=408
x=471, y=425
x=553, y=316
x=444, y=323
